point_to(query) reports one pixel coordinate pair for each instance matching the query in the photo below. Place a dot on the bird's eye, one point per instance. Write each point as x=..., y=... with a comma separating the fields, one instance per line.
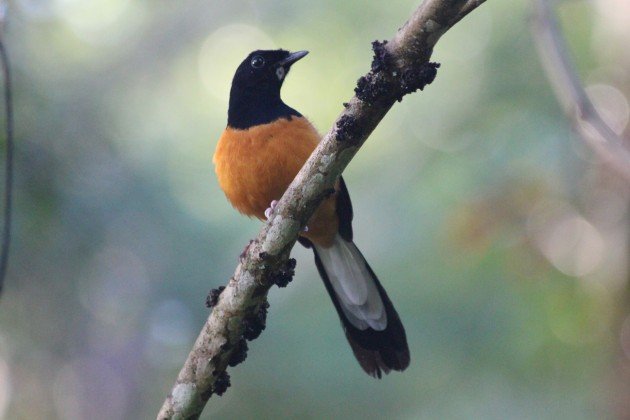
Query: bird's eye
x=258, y=62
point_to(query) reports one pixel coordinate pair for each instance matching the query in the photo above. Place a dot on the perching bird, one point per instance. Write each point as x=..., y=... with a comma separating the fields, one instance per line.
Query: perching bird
x=263, y=147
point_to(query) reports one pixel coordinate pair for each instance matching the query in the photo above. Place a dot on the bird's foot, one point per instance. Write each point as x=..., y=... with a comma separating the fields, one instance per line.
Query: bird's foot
x=271, y=209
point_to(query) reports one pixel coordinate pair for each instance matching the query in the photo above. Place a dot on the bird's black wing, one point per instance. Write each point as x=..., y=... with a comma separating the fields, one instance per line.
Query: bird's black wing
x=344, y=211
x=344, y=214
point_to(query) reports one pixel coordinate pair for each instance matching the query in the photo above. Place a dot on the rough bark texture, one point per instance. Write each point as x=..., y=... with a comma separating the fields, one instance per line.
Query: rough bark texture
x=238, y=314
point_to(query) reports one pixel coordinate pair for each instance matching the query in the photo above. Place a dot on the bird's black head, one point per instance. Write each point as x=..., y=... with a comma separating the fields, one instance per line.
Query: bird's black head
x=255, y=94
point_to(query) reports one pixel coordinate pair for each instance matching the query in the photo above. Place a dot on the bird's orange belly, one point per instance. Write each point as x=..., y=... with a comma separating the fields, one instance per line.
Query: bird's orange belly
x=256, y=165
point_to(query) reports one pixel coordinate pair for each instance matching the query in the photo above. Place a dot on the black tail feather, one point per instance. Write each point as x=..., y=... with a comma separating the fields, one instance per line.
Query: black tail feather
x=376, y=351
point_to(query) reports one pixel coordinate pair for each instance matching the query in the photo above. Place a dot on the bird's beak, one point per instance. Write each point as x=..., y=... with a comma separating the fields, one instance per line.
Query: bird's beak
x=292, y=58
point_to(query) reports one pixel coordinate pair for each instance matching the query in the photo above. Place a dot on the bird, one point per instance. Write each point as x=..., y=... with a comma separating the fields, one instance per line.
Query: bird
x=261, y=150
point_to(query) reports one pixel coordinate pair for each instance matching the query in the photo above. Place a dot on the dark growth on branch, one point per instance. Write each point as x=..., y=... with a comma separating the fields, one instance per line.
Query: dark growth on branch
x=222, y=383
x=382, y=59
x=370, y=91
x=385, y=81
x=414, y=79
x=213, y=296
x=254, y=325
x=347, y=128
x=239, y=353
x=285, y=273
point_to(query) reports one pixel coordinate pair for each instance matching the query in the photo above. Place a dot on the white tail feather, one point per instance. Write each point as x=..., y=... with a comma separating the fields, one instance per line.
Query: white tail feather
x=353, y=285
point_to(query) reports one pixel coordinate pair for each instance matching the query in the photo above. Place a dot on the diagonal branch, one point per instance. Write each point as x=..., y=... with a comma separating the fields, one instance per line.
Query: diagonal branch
x=400, y=66
x=565, y=81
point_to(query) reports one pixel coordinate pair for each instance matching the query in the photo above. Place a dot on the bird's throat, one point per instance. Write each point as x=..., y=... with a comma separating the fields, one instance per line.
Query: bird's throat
x=248, y=109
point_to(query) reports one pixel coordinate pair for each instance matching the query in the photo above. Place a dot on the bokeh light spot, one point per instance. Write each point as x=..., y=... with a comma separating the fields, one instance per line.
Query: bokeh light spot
x=570, y=243
x=99, y=22
x=171, y=323
x=114, y=286
x=88, y=388
x=170, y=333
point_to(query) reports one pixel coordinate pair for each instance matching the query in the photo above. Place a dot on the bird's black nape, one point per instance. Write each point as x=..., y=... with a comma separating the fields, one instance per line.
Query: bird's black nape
x=255, y=94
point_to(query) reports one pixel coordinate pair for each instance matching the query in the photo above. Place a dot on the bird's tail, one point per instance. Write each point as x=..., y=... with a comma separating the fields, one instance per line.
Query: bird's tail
x=371, y=324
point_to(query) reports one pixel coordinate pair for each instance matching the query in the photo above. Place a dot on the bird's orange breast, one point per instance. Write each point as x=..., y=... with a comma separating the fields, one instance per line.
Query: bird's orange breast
x=256, y=165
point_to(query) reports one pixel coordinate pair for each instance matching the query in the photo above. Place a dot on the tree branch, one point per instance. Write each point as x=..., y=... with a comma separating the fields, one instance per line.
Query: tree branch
x=563, y=77
x=400, y=66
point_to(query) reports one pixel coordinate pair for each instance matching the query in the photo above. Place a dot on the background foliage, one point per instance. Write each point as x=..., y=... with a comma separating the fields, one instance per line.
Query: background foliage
x=500, y=239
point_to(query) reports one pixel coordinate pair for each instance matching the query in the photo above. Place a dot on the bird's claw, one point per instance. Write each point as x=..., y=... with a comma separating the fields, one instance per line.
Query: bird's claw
x=270, y=209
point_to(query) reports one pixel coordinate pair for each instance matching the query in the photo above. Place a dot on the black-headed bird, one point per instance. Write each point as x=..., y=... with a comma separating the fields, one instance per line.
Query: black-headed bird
x=263, y=147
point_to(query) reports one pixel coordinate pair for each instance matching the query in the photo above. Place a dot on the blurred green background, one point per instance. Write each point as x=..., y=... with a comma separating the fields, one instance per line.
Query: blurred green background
x=501, y=240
